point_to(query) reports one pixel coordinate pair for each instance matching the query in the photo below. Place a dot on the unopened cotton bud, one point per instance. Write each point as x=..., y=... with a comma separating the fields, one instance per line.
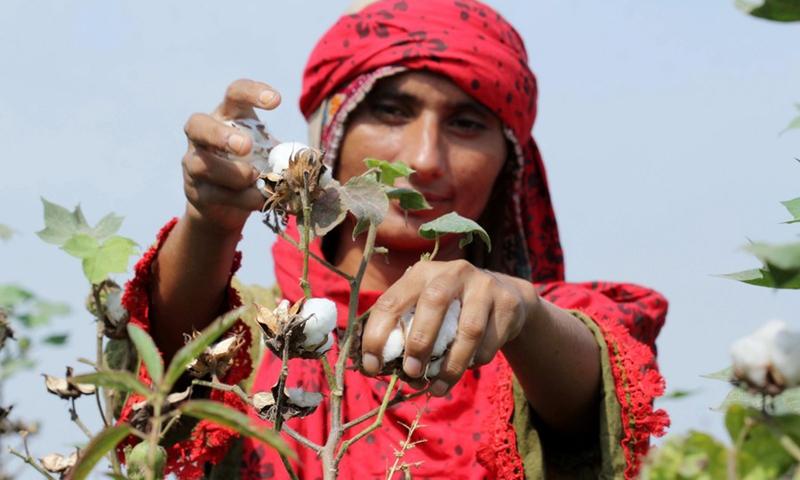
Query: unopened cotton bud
x=280, y=155
x=321, y=319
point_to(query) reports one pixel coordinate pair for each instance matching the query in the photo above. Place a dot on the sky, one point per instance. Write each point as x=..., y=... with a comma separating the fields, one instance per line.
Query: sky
x=658, y=123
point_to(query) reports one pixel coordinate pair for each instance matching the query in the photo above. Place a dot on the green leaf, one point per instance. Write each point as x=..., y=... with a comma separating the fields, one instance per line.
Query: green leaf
x=193, y=349
x=793, y=206
x=13, y=295
x=112, y=257
x=787, y=402
x=454, y=223
x=117, y=380
x=759, y=451
x=365, y=198
x=389, y=171
x=767, y=277
x=679, y=394
x=61, y=224
x=784, y=256
x=107, y=226
x=696, y=455
x=5, y=232
x=726, y=374
x=100, y=445
x=794, y=124
x=56, y=339
x=775, y=10
x=328, y=211
x=81, y=246
x=42, y=312
x=11, y=366
x=219, y=413
x=147, y=352
x=409, y=198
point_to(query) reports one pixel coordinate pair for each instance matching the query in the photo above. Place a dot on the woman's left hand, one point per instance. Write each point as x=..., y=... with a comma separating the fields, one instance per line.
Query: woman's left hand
x=494, y=309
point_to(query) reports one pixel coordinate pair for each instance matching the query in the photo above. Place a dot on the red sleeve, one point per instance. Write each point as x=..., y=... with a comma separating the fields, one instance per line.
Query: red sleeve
x=630, y=317
x=208, y=442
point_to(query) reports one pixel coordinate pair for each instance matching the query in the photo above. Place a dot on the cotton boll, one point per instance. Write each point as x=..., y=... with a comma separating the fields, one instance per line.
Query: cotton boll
x=326, y=177
x=303, y=399
x=321, y=318
x=751, y=360
x=328, y=343
x=263, y=142
x=786, y=357
x=114, y=309
x=280, y=155
x=447, y=332
x=394, y=345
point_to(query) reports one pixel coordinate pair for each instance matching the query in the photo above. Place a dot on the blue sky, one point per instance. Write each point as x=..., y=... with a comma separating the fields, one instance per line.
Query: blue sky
x=658, y=123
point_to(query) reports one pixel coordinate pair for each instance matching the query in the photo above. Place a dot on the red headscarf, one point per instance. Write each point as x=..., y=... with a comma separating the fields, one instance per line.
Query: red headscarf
x=479, y=51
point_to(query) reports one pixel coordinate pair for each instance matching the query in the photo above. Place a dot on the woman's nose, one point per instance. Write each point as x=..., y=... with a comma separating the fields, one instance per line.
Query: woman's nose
x=423, y=147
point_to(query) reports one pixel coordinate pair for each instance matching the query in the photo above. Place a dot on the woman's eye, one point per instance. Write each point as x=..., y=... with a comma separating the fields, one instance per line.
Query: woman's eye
x=388, y=111
x=468, y=125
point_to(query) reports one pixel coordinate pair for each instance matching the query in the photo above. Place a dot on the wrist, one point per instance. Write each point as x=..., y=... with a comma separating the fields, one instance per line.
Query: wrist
x=199, y=223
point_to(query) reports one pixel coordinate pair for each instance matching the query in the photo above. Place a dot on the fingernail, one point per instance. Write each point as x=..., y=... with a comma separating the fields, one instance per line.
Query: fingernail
x=439, y=388
x=412, y=367
x=236, y=142
x=370, y=363
x=266, y=97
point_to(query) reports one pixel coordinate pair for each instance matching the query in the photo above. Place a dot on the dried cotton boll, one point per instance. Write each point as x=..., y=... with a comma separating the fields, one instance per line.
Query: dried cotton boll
x=263, y=143
x=768, y=360
x=321, y=319
x=280, y=155
x=57, y=463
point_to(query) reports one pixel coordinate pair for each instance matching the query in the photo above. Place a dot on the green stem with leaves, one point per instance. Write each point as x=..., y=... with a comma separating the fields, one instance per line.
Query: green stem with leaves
x=107, y=414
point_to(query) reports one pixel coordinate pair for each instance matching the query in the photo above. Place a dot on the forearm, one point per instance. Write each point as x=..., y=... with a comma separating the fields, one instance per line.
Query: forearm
x=190, y=278
x=557, y=362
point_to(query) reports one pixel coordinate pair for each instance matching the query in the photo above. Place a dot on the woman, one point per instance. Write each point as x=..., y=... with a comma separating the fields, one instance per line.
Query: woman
x=444, y=87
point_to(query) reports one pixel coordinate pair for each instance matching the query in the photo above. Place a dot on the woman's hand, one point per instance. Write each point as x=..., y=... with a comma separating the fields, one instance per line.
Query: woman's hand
x=494, y=310
x=220, y=191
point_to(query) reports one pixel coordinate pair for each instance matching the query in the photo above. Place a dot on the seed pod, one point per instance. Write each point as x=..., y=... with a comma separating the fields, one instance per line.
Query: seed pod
x=297, y=403
x=137, y=461
x=65, y=388
x=59, y=464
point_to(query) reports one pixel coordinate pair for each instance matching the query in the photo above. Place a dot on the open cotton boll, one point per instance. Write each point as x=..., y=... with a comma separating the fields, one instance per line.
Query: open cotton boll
x=769, y=357
x=263, y=142
x=321, y=318
x=303, y=399
x=786, y=357
x=280, y=155
x=447, y=332
x=328, y=343
x=434, y=367
x=394, y=344
x=751, y=360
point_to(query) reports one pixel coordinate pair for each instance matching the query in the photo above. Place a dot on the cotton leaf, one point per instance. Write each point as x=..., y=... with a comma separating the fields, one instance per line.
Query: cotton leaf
x=112, y=257
x=100, y=445
x=147, y=352
x=409, y=199
x=328, y=211
x=81, y=246
x=107, y=226
x=56, y=339
x=389, y=171
x=775, y=10
x=767, y=277
x=454, y=223
x=365, y=198
x=61, y=224
x=12, y=295
x=793, y=206
x=118, y=380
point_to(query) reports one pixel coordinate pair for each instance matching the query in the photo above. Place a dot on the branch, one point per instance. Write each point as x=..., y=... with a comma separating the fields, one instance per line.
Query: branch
x=73, y=415
x=375, y=425
x=399, y=398
x=316, y=257
x=406, y=445
x=30, y=461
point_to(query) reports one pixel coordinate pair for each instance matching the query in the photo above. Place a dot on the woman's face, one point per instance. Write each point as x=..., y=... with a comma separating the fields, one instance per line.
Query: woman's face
x=455, y=144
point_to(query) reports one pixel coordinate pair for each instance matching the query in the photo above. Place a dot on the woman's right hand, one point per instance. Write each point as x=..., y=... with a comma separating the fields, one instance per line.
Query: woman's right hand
x=220, y=190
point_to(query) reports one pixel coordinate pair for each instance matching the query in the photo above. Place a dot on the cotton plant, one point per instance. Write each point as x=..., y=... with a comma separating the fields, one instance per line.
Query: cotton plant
x=295, y=182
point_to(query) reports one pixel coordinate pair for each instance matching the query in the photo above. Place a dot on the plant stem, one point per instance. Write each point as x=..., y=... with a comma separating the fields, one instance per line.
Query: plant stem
x=106, y=415
x=30, y=461
x=329, y=376
x=405, y=445
x=154, y=437
x=435, y=248
x=330, y=464
x=316, y=257
x=375, y=425
x=73, y=415
x=280, y=399
x=397, y=399
x=306, y=236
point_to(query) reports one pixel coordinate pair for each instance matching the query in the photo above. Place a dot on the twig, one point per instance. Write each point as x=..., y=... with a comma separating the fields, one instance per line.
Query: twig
x=172, y=421
x=249, y=401
x=30, y=461
x=375, y=425
x=306, y=236
x=280, y=399
x=399, y=398
x=107, y=413
x=316, y=257
x=406, y=445
x=73, y=415
x=330, y=377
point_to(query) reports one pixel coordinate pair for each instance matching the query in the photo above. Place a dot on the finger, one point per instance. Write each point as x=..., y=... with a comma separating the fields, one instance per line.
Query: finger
x=243, y=94
x=505, y=309
x=383, y=318
x=432, y=305
x=207, y=132
x=206, y=166
x=204, y=194
x=475, y=311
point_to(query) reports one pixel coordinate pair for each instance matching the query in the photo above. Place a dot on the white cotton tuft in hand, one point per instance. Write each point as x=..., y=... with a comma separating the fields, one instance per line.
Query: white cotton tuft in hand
x=263, y=142
x=770, y=354
x=321, y=319
x=280, y=155
x=394, y=344
x=434, y=367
